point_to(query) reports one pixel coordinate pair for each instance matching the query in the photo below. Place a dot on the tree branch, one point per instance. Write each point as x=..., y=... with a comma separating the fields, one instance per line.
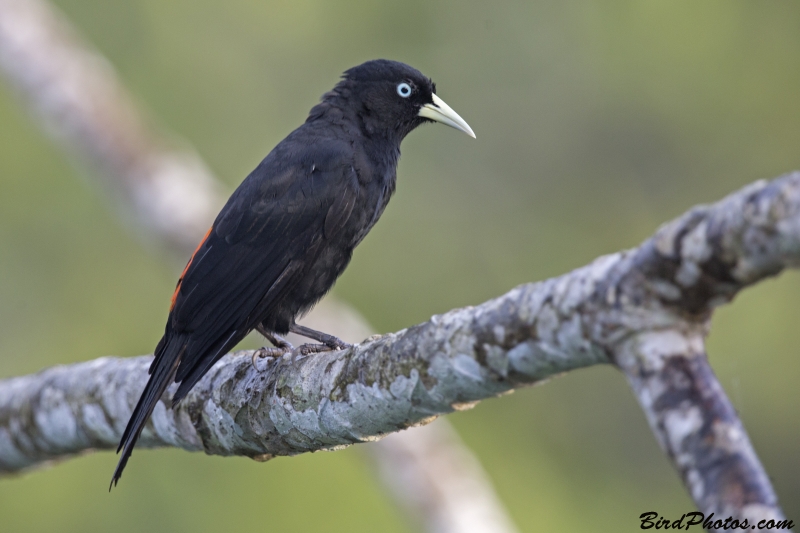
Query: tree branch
x=645, y=310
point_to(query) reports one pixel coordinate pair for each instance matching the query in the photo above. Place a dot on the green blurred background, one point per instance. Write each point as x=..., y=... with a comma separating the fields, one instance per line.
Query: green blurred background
x=596, y=122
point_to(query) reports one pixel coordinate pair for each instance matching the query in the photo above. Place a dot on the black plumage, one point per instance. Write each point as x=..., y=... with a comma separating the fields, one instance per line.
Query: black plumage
x=289, y=229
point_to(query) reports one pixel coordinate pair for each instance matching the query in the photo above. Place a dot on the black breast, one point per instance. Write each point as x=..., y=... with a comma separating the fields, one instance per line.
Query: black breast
x=360, y=206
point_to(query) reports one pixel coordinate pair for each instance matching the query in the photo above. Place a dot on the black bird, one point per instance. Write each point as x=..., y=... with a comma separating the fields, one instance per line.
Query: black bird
x=289, y=230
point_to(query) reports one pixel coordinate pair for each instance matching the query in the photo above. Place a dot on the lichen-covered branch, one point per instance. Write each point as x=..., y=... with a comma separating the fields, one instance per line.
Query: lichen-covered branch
x=645, y=310
x=321, y=402
x=698, y=427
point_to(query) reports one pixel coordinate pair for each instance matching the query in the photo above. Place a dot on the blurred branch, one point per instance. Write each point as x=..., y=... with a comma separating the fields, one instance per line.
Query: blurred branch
x=76, y=94
x=645, y=310
x=439, y=482
x=172, y=195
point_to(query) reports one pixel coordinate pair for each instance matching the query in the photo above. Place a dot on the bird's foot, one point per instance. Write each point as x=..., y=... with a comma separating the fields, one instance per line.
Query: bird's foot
x=267, y=352
x=333, y=346
x=329, y=342
x=281, y=348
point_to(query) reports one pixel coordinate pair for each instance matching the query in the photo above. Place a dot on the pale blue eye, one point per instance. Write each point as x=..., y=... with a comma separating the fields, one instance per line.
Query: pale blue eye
x=404, y=90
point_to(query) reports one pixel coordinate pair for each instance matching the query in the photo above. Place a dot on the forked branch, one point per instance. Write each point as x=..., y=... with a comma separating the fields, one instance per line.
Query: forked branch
x=645, y=310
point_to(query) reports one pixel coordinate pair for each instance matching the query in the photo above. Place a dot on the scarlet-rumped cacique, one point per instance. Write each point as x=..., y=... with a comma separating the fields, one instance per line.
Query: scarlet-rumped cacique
x=288, y=231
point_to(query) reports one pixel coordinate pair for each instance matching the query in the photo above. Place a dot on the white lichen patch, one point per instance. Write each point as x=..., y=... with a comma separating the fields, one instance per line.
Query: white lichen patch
x=54, y=420
x=730, y=437
x=11, y=457
x=755, y=512
x=666, y=235
x=524, y=359
x=496, y=359
x=680, y=423
x=665, y=289
x=95, y=423
x=696, y=484
x=688, y=273
x=695, y=246
x=467, y=367
x=653, y=347
x=546, y=324
x=499, y=333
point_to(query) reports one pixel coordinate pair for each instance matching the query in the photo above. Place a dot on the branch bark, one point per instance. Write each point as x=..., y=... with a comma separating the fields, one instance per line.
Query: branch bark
x=644, y=310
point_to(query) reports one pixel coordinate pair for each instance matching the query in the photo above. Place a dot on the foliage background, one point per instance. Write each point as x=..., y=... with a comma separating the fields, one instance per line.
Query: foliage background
x=596, y=122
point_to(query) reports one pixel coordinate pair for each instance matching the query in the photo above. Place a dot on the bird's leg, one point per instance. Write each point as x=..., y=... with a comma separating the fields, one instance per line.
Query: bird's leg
x=281, y=346
x=329, y=342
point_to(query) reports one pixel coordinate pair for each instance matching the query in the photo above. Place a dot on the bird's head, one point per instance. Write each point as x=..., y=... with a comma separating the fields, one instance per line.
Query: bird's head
x=392, y=98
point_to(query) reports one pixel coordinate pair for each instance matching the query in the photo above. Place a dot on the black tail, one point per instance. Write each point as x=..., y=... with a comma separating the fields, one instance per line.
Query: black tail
x=162, y=373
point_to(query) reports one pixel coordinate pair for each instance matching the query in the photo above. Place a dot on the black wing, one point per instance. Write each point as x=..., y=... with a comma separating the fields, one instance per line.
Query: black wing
x=268, y=233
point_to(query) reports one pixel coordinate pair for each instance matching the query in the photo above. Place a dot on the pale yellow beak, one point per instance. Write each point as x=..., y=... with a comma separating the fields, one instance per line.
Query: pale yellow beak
x=441, y=112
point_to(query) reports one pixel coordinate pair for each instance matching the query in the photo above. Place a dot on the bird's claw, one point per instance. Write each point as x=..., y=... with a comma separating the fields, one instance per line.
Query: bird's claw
x=266, y=352
x=308, y=349
x=334, y=346
x=337, y=344
x=282, y=348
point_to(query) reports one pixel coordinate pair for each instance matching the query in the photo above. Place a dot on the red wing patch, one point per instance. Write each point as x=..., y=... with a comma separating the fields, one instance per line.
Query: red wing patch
x=180, y=279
